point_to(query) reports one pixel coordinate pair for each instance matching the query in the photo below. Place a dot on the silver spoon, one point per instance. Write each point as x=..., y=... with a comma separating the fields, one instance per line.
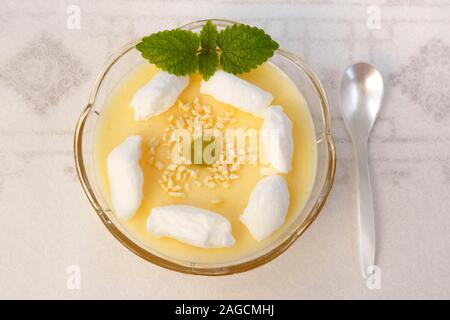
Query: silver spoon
x=361, y=96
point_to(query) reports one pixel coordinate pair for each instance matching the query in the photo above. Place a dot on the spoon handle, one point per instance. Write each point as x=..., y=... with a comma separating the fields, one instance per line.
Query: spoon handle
x=366, y=221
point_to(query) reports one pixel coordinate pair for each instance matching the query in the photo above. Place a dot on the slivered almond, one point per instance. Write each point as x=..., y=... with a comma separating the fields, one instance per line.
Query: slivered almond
x=159, y=165
x=197, y=183
x=234, y=176
x=172, y=167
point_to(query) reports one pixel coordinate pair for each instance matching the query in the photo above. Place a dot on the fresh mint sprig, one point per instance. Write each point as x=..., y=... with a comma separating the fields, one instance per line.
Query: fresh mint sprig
x=238, y=49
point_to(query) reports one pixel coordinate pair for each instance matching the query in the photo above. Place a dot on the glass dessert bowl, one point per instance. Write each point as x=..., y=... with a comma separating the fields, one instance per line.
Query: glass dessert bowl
x=304, y=80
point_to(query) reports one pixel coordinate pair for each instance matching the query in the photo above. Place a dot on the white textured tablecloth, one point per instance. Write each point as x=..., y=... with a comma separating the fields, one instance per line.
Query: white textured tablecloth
x=47, y=224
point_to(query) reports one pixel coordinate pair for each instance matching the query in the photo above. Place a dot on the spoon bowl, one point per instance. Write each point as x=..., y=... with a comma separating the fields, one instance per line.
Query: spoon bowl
x=361, y=95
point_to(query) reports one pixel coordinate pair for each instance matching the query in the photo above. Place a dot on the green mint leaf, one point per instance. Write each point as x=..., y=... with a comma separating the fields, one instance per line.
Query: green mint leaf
x=241, y=48
x=244, y=48
x=208, y=59
x=208, y=36
x=207, y=63
x=174, y=51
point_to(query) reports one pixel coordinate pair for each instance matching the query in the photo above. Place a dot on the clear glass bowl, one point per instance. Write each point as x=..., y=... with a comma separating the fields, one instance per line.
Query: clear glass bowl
x=309, y=85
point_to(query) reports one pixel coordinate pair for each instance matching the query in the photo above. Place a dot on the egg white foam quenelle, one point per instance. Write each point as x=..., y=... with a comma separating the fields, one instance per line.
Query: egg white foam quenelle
x=277, y=139
x=125, y=177
x=195, y=226
x=158, y=95
x=267, y=207
x=241, y=94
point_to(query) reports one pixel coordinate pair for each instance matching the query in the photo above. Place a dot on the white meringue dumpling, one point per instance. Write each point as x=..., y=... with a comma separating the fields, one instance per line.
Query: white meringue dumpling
x=125, y=177
x=267, y=207
x=196, y=226
x=236, y=92
x=277, y=139
x=158, y=95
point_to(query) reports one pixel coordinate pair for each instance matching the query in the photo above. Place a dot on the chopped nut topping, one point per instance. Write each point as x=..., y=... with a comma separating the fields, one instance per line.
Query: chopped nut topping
x=178, y=179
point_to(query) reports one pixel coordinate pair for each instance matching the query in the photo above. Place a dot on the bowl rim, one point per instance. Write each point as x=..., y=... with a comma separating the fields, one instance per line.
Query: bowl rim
x=209, y=271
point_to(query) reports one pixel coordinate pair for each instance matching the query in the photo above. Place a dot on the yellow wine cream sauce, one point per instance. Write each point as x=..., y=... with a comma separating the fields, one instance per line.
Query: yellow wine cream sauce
x=116, y=123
